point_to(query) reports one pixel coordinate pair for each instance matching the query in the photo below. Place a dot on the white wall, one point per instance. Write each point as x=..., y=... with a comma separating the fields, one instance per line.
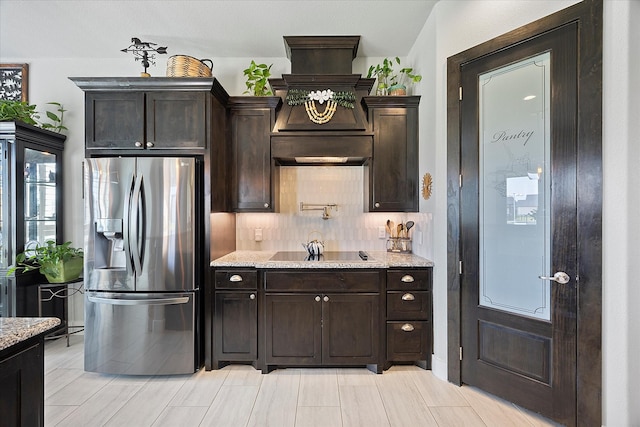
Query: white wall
x=455, y=26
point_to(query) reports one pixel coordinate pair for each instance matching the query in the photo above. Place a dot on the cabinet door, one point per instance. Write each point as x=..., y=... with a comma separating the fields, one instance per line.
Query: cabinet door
x=251, y=145
x=350, y=329
x=114, y=120
x=22, y=379
x=176, y=120
x=236, y=326
x=293, y=329
x=393, y=185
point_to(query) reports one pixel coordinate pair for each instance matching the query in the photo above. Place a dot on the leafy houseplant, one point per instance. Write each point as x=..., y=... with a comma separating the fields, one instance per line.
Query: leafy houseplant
x=24, y=112
x=58, y=263
x=391, y=82
x=258, y=79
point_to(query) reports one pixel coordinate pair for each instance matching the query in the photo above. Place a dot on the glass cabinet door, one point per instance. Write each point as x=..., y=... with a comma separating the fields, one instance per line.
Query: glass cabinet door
x=39, y=197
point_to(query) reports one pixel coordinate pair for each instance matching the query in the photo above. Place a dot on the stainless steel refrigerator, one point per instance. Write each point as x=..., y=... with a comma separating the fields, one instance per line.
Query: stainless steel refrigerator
x=141, y=243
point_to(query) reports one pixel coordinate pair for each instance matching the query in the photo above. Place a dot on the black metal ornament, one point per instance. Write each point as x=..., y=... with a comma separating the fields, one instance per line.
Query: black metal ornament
x=141, y=51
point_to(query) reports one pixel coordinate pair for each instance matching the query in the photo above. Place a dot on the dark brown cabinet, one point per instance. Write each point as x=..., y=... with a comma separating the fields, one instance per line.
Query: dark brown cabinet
x=254, y=176
x=31, y=212
x=236, y=317
x=393, y=173
x=409, y=316
x=322, y=318
x=22, y=379
x=136, y=120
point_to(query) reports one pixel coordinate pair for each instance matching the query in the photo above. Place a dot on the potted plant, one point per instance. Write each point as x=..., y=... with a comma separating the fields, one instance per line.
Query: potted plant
x=391, y=82
x=22, y=111
x=58, y=263
x=258, y=79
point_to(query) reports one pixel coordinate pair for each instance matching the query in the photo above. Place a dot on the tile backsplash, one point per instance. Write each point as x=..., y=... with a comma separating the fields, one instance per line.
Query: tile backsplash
x=349, y=227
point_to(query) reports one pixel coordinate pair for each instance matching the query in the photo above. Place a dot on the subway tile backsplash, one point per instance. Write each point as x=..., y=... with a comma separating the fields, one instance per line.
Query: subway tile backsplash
x=349, y=227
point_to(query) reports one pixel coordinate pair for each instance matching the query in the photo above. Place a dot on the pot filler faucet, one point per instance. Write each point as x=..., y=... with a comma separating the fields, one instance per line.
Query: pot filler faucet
x=325, y=208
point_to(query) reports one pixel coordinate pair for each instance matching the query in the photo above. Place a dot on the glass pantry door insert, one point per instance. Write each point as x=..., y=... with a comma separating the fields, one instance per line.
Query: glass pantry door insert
x=39, y=197
x=515, y=187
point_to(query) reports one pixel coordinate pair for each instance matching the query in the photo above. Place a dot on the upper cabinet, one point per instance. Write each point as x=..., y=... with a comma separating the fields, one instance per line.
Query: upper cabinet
x=392, y=175
x=254, y=177
x=146, y=113
x=145, y=120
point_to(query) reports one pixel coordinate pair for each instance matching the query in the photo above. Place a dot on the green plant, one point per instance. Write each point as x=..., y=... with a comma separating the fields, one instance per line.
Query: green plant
x=387, y=77
x=257, y=79
x=25, y=112
x=48, y=259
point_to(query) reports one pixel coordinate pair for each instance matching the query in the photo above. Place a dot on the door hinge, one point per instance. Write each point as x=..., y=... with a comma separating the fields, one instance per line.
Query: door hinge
x=460, y=93
x=460, y=353
x=460, y=181
x=460, y=267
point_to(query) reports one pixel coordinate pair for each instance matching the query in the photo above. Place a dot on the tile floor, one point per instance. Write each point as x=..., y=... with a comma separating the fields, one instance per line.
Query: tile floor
x=240, y=396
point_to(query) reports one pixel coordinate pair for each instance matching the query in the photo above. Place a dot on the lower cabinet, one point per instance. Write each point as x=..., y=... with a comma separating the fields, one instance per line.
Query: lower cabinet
x=409, y=316
x=322, y=329
x=323, y=318
x=22, y=379
x=235, y=322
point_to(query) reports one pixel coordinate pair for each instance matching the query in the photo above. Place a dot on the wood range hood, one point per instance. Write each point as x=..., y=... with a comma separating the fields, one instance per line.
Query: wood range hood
x=320, y=63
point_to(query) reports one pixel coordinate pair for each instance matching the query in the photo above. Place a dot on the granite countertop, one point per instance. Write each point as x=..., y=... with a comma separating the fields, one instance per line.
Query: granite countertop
x=17, y=329
x=377, y=259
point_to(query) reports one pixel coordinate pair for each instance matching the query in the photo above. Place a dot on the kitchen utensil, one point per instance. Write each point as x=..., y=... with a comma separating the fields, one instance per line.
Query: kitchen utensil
x=408, y=226
x=392, y=228
x=388, y=225
x=399, y=233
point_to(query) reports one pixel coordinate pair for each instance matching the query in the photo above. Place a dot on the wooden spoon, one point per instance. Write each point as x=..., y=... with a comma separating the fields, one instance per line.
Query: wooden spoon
x=389, y=227
x=400, y=226
x=392, y=228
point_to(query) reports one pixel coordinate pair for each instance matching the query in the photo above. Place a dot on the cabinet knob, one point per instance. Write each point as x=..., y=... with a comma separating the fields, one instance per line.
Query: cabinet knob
x=252, y=296
x=408, y=297
x=407, y=327
x=235, y=278
x=325, y=299
x=149, y=144
x=317, y=299
x=407, y=278
x=138, y=144
x=376, y=204
x=266, y=205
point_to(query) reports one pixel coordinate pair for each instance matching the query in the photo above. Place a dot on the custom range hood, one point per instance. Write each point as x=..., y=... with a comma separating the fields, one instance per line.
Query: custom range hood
x=321, y=130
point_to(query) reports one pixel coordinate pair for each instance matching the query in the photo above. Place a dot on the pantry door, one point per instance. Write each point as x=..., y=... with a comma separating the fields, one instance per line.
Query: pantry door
x=518, y=223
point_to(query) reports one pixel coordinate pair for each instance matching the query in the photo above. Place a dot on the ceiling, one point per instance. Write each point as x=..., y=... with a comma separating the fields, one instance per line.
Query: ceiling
x=202, y=28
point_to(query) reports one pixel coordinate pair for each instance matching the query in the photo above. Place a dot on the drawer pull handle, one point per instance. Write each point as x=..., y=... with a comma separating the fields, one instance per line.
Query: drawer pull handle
x=407, y=278
x=408, y=297
x=407, y=327
x=235, y=278
x=252, y=296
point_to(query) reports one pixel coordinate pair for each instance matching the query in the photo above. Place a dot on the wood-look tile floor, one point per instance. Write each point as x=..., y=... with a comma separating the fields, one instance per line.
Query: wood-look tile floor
x=240, y=396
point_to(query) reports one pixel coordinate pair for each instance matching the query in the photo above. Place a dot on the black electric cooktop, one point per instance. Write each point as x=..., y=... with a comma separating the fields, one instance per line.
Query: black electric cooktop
x=326, y=256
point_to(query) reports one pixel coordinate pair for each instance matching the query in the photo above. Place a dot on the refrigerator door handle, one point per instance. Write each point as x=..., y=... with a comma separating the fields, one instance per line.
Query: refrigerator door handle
x=150, y=301
x=133, y=224
x=126, y=229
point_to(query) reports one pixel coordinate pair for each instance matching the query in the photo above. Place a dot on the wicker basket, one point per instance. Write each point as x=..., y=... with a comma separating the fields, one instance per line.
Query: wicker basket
x=188, y=66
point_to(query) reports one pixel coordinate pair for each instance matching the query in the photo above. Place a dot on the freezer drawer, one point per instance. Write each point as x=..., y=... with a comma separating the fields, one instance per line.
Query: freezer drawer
x=140, y=333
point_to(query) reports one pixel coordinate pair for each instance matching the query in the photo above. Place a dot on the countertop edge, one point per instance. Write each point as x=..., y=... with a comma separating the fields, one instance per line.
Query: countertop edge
x=14, y=330
x=261, y=259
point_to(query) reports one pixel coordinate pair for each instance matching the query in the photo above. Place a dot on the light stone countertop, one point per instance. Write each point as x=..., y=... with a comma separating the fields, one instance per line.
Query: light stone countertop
x=377, y=259
x=17, y=329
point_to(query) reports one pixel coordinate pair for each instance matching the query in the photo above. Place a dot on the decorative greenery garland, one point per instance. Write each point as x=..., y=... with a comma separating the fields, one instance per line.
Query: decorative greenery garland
x=300, y=96
x=309, y=98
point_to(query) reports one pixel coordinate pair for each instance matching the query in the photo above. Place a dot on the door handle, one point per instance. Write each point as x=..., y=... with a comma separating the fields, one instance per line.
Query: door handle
x=150, y=301
x=560, y=277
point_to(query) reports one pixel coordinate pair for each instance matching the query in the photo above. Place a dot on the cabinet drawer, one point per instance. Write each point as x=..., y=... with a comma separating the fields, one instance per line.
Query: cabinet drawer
x=236, y=279
x=409, y=280
x=408, y=305
x=408, y=341
x=323, y=281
